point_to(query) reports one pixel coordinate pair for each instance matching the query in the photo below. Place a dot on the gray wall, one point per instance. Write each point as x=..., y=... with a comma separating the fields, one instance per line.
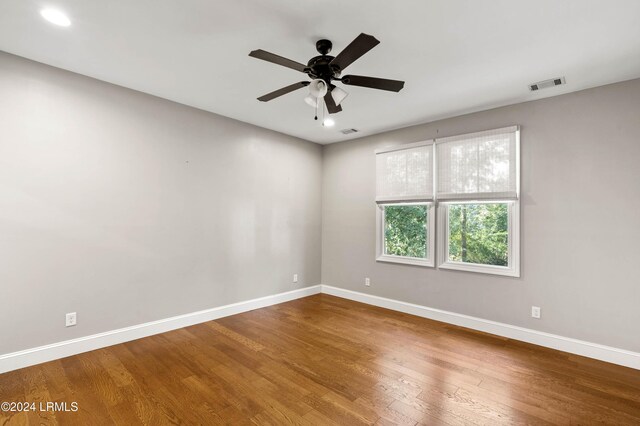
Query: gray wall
x=127, y=208
x=580, y=220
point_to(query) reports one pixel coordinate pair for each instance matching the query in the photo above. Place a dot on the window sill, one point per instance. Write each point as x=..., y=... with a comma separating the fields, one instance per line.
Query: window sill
x=405, y=260
x=483, y=269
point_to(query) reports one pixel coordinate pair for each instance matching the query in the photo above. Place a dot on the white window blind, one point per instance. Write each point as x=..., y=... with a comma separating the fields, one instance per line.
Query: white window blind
x=405, y=173
x=478, y=165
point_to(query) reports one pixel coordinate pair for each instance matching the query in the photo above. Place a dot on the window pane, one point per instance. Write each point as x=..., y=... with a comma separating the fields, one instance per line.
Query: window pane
x=478, y=233
x=405, y=230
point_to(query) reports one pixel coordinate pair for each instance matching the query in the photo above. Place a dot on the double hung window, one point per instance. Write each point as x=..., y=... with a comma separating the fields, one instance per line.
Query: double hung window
x=472, y=181
x=404, y=197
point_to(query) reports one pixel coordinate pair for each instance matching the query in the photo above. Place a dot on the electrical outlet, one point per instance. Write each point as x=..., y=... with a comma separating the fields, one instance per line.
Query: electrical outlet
x=535, y=312
x=367, y=282
x=70, y=319
x=295, y=278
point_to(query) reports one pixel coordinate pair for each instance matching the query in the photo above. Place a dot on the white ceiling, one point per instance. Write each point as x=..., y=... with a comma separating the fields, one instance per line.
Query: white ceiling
x=456, y=56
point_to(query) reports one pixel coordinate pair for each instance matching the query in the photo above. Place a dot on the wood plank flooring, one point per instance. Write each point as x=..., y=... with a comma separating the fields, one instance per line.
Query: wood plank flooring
x=323, y=360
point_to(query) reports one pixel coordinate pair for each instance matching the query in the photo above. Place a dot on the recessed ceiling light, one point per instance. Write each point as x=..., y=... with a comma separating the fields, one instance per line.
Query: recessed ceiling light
x=55, y=17
x=328, y=122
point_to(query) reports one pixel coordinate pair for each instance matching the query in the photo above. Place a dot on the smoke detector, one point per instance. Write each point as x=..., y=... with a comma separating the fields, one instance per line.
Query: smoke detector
x=547, y=83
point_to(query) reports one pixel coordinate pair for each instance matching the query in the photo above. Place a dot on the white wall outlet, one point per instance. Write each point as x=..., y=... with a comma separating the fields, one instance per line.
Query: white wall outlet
x=535, y=312
x=295, y=278
x=367, y=282
x=70, y=319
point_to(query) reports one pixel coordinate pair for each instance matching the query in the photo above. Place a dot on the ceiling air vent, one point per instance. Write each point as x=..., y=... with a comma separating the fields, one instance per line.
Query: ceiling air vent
x=348, y=131
x=547, y=83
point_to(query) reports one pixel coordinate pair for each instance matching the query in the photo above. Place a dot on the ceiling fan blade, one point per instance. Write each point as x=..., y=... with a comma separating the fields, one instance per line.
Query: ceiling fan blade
x=373, y=82
x=358, y=47
x=279, y=60
x=283, y=91
x=331, y=104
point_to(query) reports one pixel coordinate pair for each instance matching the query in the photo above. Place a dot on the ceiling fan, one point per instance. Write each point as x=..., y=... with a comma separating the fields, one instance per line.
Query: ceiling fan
x=325, y=69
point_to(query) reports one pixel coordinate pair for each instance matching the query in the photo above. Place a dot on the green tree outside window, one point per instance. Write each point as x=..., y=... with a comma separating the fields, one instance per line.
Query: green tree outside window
x=478, y=233
x=405, y=230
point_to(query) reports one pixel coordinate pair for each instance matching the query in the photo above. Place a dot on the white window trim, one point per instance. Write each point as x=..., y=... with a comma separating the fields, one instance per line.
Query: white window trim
x=381, y=257
x=512, y=270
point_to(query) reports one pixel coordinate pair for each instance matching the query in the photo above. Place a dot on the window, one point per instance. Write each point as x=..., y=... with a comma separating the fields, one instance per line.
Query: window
x=472, y=181
x=404, y=193
x=478, y=233
x=405, y=233
x=405, y=230
x=480, y=237
x=479, y=211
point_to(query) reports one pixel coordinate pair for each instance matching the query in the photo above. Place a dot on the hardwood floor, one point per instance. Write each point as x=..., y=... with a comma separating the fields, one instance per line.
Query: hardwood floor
x=324, y=360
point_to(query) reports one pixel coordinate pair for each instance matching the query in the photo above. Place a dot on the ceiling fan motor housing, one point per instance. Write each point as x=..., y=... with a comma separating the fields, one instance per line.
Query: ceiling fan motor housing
x=320, y=67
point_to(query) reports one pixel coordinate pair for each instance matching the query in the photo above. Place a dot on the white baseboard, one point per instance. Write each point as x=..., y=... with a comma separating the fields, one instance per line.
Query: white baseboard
x=28, y=357
x=566, y=344
x=25, y=358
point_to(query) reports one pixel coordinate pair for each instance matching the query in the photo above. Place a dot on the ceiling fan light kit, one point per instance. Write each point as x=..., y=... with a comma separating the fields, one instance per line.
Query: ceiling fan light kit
x=338, y=95
x=311, y=101
x=326, y=69
x=318, y=88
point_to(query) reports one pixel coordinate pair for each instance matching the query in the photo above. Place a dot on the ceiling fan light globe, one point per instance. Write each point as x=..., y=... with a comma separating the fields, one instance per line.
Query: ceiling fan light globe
x=318, y=88
x=311, y=101
x=338, y=95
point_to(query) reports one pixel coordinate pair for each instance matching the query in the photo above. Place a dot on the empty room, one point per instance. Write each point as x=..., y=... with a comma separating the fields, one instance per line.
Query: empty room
x=319, y=213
